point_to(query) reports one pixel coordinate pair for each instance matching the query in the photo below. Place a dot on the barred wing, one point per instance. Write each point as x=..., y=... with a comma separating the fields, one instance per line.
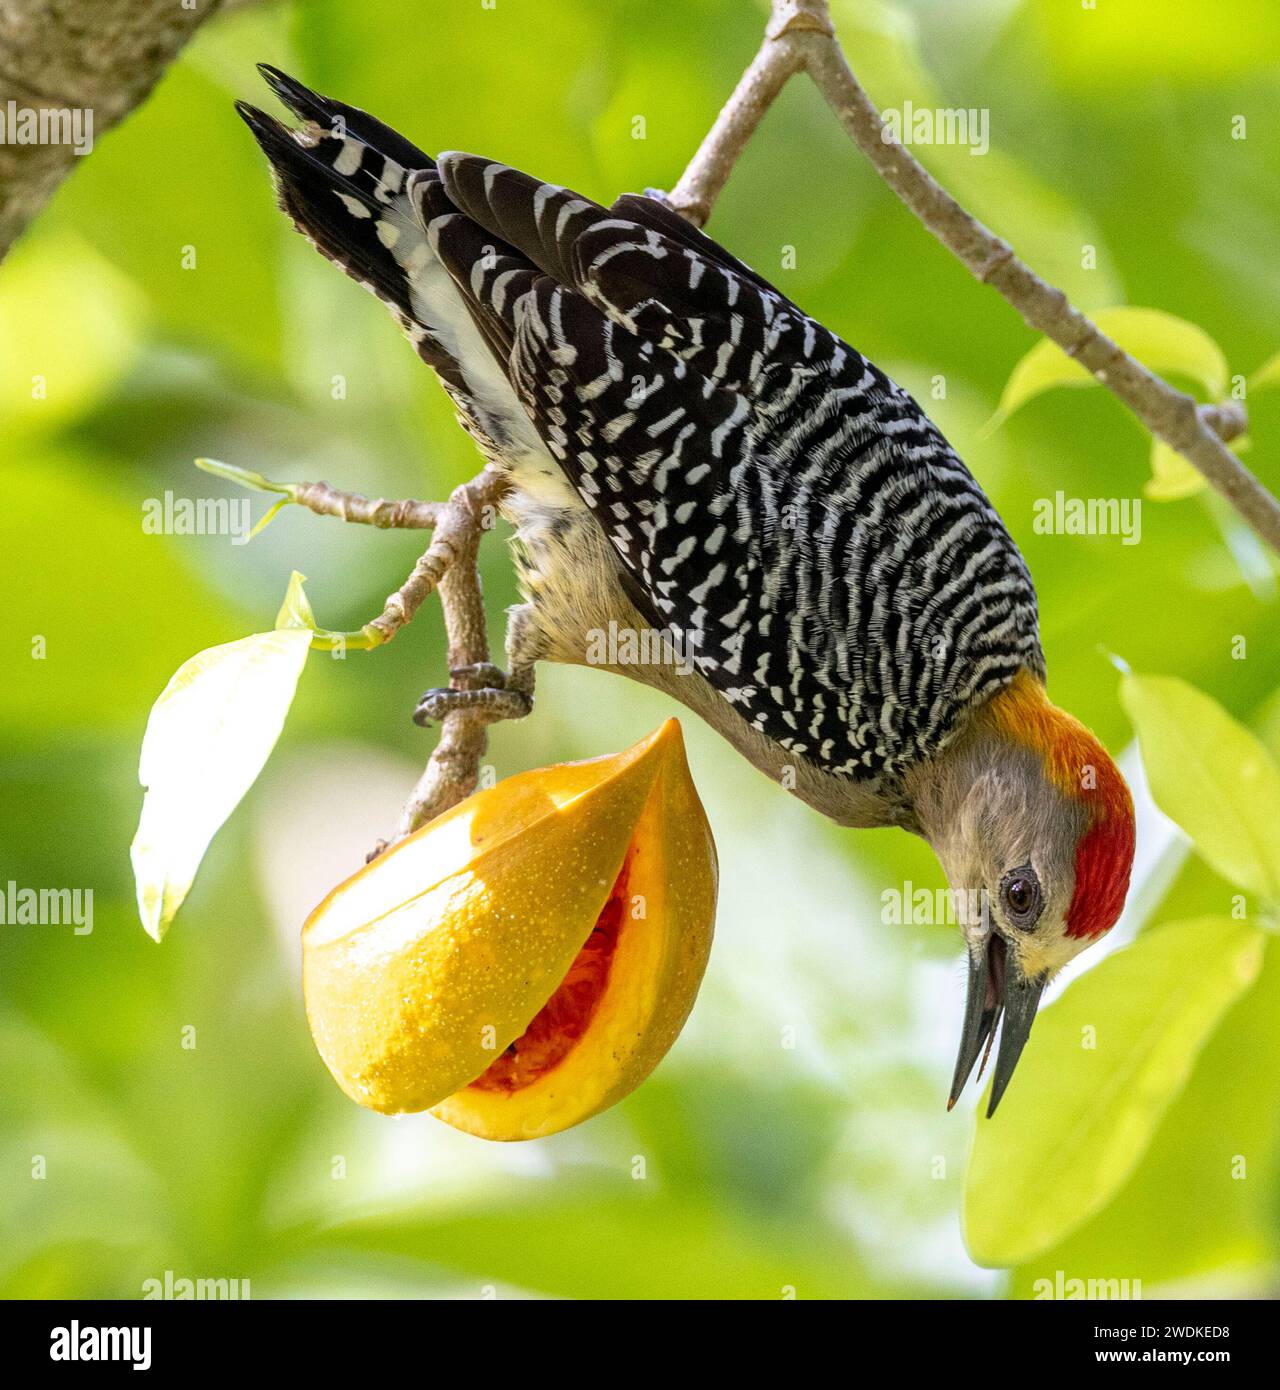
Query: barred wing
x=779, y=502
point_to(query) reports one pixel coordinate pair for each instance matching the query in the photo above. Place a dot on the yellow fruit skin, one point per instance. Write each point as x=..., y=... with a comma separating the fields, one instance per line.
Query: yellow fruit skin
x=420, y=969
x=653, y=979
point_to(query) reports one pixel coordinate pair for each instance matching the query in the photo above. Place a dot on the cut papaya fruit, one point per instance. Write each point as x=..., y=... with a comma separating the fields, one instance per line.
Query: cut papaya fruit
x=525, y=960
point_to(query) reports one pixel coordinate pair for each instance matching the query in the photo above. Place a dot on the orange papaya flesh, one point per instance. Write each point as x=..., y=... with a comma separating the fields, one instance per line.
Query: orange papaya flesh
x=566, y=1016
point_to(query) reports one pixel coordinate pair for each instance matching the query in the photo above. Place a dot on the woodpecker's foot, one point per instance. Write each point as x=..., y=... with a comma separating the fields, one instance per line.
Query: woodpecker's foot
x=487, y=690
x=483, y=675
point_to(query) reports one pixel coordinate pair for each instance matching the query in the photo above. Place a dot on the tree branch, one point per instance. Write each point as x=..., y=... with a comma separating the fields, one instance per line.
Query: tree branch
x=93, y=62
x=800, y=36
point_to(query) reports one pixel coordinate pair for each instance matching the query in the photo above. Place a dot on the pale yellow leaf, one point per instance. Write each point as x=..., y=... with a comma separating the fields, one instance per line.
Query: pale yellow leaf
x=1211, y=776
x=209, y=734
x=1161, y=341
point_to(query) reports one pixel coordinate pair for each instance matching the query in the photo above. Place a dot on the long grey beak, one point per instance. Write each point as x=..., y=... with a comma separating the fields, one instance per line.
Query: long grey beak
x=981, y=1011
x=997, y=991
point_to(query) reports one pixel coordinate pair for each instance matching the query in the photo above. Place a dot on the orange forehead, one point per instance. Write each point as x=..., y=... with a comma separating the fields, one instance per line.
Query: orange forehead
x=1082, y=769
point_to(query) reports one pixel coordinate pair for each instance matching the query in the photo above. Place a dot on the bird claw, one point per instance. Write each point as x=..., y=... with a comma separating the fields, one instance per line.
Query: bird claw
x=480, y=675
x=492, y=703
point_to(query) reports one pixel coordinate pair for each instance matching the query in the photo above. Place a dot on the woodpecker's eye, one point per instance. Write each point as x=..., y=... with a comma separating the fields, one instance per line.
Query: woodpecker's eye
x=1021, y=897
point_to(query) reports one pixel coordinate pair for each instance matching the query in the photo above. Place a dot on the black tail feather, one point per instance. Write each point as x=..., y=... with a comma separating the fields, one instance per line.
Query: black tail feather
x=324, y=111
x=308, y=188
x=346, y=215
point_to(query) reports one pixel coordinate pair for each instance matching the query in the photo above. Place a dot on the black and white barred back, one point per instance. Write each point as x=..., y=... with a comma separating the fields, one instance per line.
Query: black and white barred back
x=774, y=499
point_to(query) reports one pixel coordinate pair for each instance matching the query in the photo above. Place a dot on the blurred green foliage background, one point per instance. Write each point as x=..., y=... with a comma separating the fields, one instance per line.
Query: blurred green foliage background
x=796, y=1138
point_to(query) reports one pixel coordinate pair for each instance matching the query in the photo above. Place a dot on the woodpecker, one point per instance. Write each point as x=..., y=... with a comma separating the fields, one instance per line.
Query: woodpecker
x=690, y=454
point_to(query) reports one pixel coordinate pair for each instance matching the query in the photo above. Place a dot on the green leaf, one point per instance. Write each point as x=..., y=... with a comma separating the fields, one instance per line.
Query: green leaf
x=1172, y=477
x=1219, y=1123
x=295, y=611
x=209, y=734
x=1158, y=340
x=1212, y=776
x=246, y=477
x=269, y=516
x=1267, y=375
x=1104, y=1064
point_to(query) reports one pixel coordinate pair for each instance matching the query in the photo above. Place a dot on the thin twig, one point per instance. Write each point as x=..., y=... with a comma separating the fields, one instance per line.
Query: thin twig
x=449, y=566
x=458, y=523
x=800, y=35
x=407, y=514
